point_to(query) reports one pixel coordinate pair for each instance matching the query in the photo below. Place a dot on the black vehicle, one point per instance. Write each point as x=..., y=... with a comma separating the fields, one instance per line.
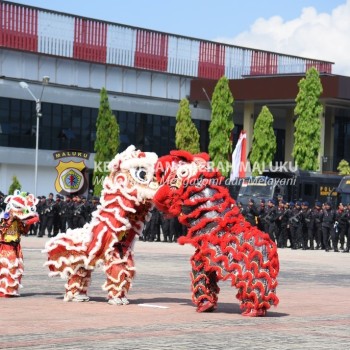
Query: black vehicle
x=292, y=186
x=343, y=190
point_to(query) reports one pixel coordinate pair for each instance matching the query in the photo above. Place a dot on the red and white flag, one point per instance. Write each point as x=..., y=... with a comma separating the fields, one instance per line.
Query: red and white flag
x=239, y=159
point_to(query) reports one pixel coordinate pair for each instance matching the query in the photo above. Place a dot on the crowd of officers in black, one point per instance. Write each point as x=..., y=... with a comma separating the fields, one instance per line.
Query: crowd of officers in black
x=162, y=229
x=58, y=214
x=299, y=226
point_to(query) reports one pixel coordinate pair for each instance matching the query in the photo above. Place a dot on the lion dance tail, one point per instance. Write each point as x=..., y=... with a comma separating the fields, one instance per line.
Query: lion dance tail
x=67, y=257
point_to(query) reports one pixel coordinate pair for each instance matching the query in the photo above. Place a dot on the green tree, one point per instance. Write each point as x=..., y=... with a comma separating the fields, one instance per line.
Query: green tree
x=343, y=167
x=307, y=135
x=186, y=133
x=14, y=186
x=221, y=125
x=107, y=140
x=264, y=142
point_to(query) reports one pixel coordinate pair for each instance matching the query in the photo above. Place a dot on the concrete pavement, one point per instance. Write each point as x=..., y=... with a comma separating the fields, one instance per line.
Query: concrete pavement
x=314, y=309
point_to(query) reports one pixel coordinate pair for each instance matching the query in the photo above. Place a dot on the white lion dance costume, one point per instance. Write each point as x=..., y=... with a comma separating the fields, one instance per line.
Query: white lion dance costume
x=226, y=246
x=109, y=238
x=19, y=214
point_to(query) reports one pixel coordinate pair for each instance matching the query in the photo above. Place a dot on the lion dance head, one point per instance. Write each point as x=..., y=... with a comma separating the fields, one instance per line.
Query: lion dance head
x=21, y=206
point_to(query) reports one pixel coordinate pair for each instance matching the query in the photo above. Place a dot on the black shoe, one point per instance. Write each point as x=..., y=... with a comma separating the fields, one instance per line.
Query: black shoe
x=336, y=250
x=346, y=250
x=327, y=250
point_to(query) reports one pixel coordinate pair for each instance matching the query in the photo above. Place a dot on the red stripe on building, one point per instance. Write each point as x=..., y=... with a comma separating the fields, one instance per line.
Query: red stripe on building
x=151, y=50
x=18, y=27
x=263, y=63
x=211, y=63
x=90, y=40
x=322, y=67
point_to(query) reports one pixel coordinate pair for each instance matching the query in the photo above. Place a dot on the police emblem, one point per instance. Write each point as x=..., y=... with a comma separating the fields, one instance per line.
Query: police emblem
x=70, y=177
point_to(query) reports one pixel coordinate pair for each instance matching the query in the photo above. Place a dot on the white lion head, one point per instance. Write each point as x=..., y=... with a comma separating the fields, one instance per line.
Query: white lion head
x=133, y=172
x=21, y=205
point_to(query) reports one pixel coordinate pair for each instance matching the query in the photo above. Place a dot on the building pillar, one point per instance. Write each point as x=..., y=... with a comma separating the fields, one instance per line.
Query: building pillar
x=329, y=140
x=289, y=141
x=322, y=138
x=248, y=124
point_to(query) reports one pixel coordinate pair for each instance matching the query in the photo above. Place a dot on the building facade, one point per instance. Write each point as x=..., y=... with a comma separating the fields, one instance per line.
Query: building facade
x=146, y=74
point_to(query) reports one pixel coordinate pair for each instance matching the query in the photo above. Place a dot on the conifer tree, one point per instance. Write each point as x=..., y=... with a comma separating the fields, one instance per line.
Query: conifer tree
x=186, y=133
x=307, y=135
x=14, y=186
x=107, y=140
x=264, y=142
x=221, y=125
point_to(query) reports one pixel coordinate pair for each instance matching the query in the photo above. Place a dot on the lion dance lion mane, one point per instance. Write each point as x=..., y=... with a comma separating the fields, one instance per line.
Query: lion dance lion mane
x=108, y=239
x=226, y=246
x=19, y=214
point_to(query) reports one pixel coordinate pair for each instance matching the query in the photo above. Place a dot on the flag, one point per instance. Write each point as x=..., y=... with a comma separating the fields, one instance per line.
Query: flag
x=239, y=157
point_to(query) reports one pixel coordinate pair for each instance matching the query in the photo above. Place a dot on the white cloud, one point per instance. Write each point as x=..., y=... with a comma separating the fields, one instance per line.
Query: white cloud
x=314, y=35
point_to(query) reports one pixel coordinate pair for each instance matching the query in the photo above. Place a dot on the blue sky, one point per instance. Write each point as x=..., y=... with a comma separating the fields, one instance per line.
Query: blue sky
x=308, y=28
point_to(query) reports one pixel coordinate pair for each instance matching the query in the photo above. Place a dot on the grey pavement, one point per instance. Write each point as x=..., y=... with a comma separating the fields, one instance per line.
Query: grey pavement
x=314, y=309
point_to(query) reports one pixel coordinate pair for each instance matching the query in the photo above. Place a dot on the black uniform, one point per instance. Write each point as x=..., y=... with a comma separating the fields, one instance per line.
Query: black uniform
x=317, y=215
x=341, y=227
x=307, y=229
x=47, y=217
x=250, y=213
x=261, y=216
x=295, y=227
x=282, y=224
x=270, y=220
x=78, y=214
x=328, y=220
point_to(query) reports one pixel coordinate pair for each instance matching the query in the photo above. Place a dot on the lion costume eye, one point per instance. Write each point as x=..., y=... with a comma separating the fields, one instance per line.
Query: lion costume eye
x=184, y=171
x=140, y=175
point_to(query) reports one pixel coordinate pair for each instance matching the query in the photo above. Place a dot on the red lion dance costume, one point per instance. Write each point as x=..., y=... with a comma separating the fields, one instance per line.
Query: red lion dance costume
x=108, y=239
x=19, y=214
x=227, y=247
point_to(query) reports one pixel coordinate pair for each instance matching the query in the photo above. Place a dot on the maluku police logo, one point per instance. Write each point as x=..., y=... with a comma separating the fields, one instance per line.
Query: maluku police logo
x=71, y=175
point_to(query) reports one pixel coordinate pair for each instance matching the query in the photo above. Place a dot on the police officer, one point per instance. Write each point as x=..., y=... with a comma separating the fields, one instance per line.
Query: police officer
x=317, y=215
x=250, y=212
x=78, y=212
x=2, y=202
x=307, y=222
x=341, y=226
x=69, y=211
x=46, y=221
x=262, y=210
x=270, y=219
x=328, y=220
x=347, y=234
x=295, y=225
x=282, y=223
x=155, y=225
x=57, y=217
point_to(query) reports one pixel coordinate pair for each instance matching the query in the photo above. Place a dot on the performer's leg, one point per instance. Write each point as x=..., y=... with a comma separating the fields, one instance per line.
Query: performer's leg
x=120, y=273
x=257, y=285
x=11, y=270
x=204, y=286
x=77, y=285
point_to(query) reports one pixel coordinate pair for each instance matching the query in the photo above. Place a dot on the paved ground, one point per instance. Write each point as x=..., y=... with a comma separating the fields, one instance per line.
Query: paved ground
x=314, y=309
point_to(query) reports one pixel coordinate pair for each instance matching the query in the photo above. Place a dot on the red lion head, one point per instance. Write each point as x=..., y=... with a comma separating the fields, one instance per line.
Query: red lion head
x=174, y=172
